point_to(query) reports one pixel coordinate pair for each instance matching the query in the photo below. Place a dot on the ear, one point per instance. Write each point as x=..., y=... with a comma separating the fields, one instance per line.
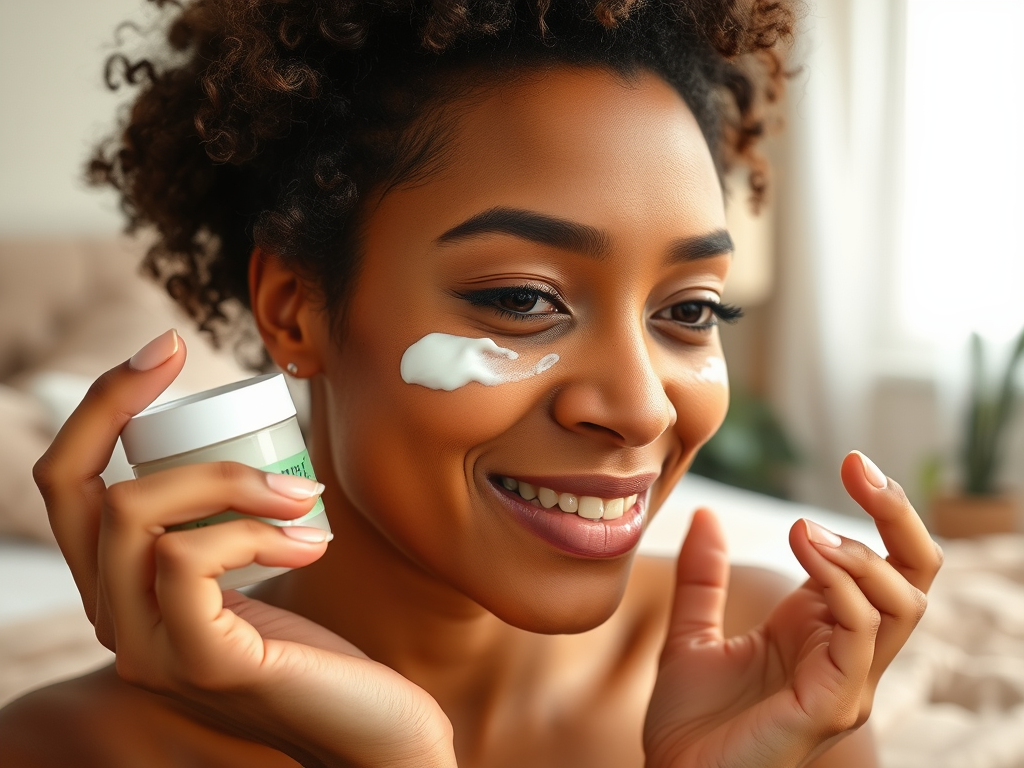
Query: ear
x=285, y=314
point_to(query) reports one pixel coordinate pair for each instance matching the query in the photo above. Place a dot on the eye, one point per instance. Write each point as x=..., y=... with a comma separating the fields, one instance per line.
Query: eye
x=700, y=314
x=692, y=313
x=516, y=301
x=520, y=301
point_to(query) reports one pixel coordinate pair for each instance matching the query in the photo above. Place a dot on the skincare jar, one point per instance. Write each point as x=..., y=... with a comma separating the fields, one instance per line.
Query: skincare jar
x=252, y=422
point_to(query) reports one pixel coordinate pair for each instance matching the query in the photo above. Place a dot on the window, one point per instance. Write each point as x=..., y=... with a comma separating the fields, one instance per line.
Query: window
x=961, y=248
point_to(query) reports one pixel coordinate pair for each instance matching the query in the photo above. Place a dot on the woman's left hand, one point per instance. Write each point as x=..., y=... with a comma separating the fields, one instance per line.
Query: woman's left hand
x=788, y=690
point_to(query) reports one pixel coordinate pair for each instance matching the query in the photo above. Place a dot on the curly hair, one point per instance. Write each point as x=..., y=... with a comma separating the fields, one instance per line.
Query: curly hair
x=263, y=123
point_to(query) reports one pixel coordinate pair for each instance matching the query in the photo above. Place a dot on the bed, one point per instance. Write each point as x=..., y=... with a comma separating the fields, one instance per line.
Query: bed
x=953, y=698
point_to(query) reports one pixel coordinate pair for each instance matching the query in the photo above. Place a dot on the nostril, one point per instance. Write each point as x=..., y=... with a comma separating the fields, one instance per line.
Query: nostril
x=600, y=428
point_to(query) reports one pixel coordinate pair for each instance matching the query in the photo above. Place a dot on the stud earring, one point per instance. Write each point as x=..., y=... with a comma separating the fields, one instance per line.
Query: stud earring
x=292, y=368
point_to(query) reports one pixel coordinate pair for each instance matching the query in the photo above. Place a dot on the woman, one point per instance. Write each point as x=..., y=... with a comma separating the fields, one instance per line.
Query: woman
x=546, y=176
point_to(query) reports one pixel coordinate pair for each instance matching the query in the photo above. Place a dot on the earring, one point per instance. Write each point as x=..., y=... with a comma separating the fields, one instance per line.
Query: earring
x=292, y=368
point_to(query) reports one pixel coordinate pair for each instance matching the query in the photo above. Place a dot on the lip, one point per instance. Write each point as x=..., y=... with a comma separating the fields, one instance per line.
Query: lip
x=603, y=486
x=574, y=534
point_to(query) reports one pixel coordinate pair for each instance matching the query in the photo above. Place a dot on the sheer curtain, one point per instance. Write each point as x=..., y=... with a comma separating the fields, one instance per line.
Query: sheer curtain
x=838, y=204
x=964, y=163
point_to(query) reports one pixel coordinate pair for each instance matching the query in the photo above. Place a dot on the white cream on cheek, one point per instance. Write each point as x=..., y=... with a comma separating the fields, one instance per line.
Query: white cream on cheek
x=443, y=361
x=714, y=371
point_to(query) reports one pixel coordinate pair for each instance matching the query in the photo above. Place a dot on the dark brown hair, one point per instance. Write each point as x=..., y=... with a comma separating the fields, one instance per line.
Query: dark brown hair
x=265, y=122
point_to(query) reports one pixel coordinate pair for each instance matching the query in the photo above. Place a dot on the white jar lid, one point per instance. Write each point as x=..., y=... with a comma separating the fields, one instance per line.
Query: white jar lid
x=206, y=418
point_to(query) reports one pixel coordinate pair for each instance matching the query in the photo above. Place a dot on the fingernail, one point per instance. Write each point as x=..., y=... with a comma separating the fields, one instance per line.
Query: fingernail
x=820, y=535
x=157, y=352
x=293, y=486
x=871, y=472
x=306, y=535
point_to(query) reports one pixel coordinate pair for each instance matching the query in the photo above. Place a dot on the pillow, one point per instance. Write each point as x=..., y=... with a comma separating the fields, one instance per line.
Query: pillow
x=45, y=284
x=68, y=312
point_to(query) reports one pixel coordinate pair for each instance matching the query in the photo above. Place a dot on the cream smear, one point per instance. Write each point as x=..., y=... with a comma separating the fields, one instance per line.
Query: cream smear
x=443, y=361
x=714, y=371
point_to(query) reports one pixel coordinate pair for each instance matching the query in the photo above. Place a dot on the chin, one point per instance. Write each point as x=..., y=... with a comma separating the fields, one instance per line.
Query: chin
x=577, y=600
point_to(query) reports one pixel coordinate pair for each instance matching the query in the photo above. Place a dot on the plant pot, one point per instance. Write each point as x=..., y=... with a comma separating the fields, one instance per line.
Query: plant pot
x=961, y=517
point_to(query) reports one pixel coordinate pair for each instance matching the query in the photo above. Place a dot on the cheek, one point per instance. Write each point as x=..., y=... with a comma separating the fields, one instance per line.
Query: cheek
x=404, y=453
x=701, y=398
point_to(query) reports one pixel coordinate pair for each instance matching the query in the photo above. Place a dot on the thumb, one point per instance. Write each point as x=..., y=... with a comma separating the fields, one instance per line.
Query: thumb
x=702, y=582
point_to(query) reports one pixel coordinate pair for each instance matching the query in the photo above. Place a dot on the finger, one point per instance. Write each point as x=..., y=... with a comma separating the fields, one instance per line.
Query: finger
x=852, y=642
x=912, y=551
x=900, y=604
x=190, y=600
x=196, y=491
x=702, y=582
x=68, y=474
x=137, y=512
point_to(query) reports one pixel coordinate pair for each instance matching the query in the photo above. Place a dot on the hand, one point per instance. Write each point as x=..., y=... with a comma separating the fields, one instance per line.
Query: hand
x=788, y=690
x=152, y=595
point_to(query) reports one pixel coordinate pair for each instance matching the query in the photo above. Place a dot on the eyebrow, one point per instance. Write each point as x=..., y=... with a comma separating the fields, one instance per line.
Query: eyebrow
x=717, y=243
x=535, y=227
x=573, y=236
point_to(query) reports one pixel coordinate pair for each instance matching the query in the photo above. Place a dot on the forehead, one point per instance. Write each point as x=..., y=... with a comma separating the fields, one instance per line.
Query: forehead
x=587, y=144
x=570, y=133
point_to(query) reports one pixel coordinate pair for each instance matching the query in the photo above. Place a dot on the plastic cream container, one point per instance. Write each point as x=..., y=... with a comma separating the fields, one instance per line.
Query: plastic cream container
x=252, y=422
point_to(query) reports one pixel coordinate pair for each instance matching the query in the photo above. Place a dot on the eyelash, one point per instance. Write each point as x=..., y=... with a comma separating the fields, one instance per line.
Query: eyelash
x=726, y=313
x=489, y=297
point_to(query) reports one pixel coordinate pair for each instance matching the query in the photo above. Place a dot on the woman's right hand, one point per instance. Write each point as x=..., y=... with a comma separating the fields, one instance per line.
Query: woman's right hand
x=256, y=670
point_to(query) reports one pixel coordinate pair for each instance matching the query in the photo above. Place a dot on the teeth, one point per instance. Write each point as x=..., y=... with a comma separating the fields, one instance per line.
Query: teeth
x=527, y=491
x=591, y=507
x=547, y=497
x=613, y=509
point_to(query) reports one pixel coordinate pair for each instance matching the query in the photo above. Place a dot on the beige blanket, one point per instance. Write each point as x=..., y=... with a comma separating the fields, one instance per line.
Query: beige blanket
x=954, y=697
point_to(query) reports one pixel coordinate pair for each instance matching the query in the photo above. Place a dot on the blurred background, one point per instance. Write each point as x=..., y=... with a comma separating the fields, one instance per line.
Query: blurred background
x=894, y=237
x=890, y=236
x=882, y=283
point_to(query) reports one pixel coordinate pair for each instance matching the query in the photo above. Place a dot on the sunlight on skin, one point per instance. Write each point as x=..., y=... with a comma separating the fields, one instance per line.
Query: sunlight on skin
x=715, y=371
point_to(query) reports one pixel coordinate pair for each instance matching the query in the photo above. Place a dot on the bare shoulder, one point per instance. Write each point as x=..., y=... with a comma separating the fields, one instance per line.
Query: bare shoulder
x=99, y=720
x=58, y=725
x=753, y=593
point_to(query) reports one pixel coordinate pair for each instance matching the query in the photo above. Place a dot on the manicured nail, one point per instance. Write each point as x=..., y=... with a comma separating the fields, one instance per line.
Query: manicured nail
x=871, y=472
x=820, y=535
x=293, y=486
x=306, y=535
x=157, y=352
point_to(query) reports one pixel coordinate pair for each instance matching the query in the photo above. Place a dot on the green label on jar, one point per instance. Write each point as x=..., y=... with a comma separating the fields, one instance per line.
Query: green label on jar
x=298, y=465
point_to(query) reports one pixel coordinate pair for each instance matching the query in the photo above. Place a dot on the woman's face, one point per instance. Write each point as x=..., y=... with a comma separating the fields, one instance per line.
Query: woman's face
x=607, y=249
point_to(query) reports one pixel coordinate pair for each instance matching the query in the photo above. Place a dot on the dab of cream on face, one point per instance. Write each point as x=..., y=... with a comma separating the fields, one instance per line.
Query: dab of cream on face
x=443, y=361
x=714, y=371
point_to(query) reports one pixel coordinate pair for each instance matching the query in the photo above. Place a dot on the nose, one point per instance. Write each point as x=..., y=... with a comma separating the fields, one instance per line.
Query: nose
x=617, y=396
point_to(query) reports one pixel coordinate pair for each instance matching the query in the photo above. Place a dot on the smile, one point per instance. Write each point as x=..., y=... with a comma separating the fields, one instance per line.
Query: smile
x=589, y=507
x=589, y=516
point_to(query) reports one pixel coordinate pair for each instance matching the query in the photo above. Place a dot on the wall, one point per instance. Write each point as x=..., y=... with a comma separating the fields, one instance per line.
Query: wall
x=53, y=107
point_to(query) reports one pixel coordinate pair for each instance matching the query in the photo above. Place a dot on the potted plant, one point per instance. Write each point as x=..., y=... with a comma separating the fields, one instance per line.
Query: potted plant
x=982, y=506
